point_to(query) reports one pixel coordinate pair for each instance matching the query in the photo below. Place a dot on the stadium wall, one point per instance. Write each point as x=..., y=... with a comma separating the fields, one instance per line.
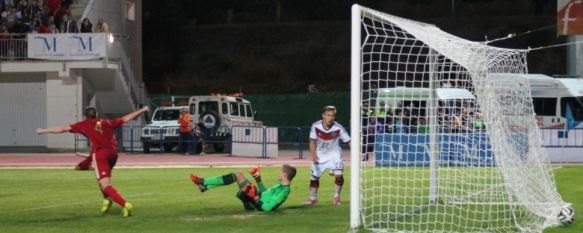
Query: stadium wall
x=299, y=110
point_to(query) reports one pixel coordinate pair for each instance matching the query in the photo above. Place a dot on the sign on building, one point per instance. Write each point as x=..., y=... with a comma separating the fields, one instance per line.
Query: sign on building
x=74, y=46
x=569, y=17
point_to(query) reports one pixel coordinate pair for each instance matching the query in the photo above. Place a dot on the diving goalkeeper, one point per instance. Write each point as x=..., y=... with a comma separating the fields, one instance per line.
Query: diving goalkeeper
x=253, y=197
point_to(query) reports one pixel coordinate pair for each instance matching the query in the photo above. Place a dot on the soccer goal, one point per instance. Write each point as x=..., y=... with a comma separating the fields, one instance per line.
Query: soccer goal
x=448, y=138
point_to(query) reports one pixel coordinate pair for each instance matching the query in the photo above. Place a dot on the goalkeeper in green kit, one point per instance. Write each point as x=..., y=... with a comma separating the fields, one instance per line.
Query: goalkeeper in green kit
x=254, y=197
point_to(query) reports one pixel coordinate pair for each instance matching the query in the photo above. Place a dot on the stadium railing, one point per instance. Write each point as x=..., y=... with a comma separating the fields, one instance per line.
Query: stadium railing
x=289, y=138
x=562, y=138
x=13, y=46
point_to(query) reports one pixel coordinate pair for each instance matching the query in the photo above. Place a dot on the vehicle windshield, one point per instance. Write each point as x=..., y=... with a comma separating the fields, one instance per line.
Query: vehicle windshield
x=167, y=115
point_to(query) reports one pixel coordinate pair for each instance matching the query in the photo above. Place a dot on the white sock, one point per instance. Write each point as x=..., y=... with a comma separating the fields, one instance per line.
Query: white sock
x=313, y=193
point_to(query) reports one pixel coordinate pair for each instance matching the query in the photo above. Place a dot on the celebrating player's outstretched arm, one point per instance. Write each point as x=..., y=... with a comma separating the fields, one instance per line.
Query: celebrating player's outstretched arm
x=130, y=116
x=65, y=129
x=59, y=129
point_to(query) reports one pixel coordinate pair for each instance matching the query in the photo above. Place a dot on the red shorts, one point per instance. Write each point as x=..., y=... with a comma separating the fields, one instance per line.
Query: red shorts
x=105, y=160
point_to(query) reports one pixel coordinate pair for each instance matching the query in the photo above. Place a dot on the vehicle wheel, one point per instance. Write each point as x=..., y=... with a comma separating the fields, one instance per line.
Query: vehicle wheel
x=211, y=119
x=219, y=147
x=168, y=147
x=146, y=148
x=198, y=147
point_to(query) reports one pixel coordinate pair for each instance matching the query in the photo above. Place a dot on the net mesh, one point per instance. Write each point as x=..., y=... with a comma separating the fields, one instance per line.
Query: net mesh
x=449, y=139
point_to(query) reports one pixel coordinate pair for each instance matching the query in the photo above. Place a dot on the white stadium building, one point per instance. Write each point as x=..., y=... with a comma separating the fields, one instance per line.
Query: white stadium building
x=48, y=79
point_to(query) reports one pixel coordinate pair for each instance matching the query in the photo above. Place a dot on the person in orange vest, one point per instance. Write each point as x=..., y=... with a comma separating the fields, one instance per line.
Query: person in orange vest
x=186, y=137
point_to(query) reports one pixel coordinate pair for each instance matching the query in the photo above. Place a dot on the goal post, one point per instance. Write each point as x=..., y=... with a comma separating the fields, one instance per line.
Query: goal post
x=444, y=134
x=355, y=71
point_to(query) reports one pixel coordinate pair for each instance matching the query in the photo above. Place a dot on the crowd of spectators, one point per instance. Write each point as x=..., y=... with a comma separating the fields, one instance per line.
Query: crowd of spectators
x=43, y=16
x=411, y=117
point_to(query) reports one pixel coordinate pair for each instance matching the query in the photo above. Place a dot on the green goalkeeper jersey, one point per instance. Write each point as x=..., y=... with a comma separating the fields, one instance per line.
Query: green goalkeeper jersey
x=273, y=197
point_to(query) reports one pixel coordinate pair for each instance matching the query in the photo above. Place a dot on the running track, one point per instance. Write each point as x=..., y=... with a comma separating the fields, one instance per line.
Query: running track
x=69, y=160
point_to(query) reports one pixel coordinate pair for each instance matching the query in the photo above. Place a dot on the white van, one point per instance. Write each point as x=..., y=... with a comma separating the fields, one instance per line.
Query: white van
x=446, y=96
x=558, y=102
x=451, y=101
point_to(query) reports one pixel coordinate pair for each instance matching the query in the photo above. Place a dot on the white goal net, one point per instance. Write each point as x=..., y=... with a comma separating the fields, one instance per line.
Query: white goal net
x=448, y=137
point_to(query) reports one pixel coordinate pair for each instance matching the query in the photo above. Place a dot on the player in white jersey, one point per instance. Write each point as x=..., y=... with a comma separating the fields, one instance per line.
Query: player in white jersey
x=325, y=137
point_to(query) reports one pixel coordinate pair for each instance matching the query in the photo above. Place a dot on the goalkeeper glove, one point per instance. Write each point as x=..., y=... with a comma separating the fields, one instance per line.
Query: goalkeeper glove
x=251, y=191
x=256, y=173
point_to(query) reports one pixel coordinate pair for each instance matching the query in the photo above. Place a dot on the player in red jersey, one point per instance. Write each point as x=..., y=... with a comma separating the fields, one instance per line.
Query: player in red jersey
x=104, y=150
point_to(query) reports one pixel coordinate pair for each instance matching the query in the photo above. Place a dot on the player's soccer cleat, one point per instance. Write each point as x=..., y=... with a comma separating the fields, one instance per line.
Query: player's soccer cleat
x=105, y=206
x=336, y=200
x=255, y=172
x=311, y=201
x=199, y=182
x=127, y=209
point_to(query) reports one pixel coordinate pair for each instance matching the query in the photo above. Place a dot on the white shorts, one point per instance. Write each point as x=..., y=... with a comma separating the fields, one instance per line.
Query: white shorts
x=334, y=167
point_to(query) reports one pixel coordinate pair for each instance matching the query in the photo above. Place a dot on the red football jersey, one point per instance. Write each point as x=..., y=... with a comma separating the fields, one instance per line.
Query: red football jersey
x=100, y=132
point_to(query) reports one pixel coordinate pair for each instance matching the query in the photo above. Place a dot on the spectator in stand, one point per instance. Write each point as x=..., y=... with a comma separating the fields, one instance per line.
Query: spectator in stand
x=61, y=16
x=20, y=29
x=66, y=3
x=411, y=117
x=23, y=3
x=2, y=13
x=86, y=26
x=52, y=26
x=53, y=29
x=53, y=5
x=70, y=25
x=17, y=12
x=34, y=9
x=369, y=135
x=101, y=26
x=398, y=125
x=8, y=16
x=43, y=28
x=22, y=7
x=44, y=15
x=3, y=41
x=41, y=4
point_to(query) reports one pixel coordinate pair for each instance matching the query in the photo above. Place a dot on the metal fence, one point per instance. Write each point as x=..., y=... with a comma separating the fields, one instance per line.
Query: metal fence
x=13, y=46
x=289, y=138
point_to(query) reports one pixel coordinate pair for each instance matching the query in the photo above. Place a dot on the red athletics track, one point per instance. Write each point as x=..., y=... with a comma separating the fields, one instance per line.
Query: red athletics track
x=69, y=160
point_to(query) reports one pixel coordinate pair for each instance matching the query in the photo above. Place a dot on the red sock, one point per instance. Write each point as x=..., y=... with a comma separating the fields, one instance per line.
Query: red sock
x=104, y=194
x=111, y=192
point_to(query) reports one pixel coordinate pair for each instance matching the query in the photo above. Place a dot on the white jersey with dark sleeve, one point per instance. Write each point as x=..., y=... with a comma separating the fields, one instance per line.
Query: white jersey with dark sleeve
x=328, y=140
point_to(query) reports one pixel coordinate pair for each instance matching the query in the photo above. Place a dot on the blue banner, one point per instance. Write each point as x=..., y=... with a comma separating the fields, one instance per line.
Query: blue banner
x=463, y=149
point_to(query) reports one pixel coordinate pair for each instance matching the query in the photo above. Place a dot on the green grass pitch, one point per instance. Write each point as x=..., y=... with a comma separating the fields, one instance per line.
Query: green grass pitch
x=63, y=200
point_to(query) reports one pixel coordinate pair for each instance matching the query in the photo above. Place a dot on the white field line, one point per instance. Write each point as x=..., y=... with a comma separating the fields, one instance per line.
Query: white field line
x=165, y=165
